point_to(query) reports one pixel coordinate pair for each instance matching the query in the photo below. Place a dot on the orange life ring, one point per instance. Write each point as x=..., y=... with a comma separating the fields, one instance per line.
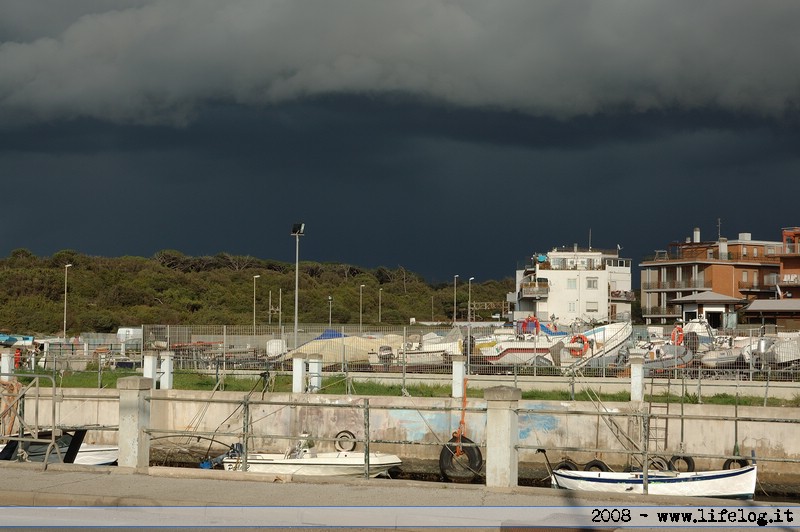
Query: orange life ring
x=579, y=351
x=528, y=320
x=677, y=335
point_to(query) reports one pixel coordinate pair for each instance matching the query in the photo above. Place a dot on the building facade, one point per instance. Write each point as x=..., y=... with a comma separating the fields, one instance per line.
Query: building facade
x=744, y=269
x=569, y=284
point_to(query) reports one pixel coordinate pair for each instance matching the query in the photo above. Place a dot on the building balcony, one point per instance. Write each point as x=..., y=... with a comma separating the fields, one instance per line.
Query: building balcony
x=749, y=286
x=622, y=295
x=688, y=284
x=537, y=290
x=661, y=312
x=715, y=256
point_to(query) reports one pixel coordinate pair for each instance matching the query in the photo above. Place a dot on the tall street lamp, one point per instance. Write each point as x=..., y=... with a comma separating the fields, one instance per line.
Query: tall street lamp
x=66, y=269
x=455, y=280
x=360, y=307
x=469, y=318
x=330, y=310
x=297, y=232
x=254, y=303
x=380, y=291
x=469, y=300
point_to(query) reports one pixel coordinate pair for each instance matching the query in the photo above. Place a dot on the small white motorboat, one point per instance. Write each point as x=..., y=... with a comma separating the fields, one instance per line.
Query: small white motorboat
x=67, y=448
x=302, y=459
x=731, y=483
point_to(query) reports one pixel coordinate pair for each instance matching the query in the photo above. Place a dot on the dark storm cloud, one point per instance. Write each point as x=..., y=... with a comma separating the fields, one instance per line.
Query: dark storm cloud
x=157, y=63
x=446, y=137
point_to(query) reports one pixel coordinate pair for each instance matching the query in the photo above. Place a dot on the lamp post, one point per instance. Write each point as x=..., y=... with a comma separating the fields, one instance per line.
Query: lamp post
x=455, y=280
x=469, y=319
x=469, y=300
x=297, y=232
x=380, y=291
x=66, y=269
x=360, y=307
x=330, y=310
x=254, y=303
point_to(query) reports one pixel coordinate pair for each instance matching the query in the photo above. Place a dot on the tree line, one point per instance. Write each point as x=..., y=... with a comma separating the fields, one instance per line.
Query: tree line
x=105, y=293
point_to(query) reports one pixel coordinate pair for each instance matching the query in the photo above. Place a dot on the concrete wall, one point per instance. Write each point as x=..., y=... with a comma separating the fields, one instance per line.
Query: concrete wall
x=426, y=423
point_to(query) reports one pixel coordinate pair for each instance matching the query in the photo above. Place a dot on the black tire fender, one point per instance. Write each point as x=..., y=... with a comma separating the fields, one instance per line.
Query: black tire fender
x=461, y=472
x=345, y=441
x=596, y=465
x=684, y=459
x=567, y=464
x=661, y=464
x=735, y=463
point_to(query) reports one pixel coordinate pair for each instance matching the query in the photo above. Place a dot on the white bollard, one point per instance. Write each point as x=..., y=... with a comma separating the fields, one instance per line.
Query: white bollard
x=134, y=419
x=314, y=373
x=7, y=365
x=636, y=357
x=298, y=372
x=502, y=436
x=459, y=371
x=165, y=380
x=149, y=365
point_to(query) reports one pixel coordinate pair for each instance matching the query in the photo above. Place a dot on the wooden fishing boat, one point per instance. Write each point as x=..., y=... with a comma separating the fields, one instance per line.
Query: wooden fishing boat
x=731, y=483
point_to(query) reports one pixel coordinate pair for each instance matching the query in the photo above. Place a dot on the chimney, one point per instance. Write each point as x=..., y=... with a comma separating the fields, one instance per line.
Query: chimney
x=696, y=235
x=723, y=248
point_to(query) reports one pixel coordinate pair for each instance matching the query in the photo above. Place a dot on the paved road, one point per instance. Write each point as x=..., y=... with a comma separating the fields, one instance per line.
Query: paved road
x=120, y=497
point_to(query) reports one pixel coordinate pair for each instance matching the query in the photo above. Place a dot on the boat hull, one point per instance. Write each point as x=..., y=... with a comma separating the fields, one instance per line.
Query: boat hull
x=731, y=484
x=347, y=464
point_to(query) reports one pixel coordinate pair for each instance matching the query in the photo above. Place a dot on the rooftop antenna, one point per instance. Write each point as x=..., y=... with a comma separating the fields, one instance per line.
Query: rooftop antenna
x=590, y=239
x=719, y=228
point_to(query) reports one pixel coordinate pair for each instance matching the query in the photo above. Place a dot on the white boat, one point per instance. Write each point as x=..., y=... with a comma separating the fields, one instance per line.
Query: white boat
x=781, y=351
x=306, y=462
x=730, y=483
x=411, y=357
x=596, y=346
x=95, y=454
x=418, y=351
x=303, y=459
x=64, y=450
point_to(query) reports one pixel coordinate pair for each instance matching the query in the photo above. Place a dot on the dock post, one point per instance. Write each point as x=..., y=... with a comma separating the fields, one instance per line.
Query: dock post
x=314, y=373
x=502, y=436
x=134, y=418
x=149, y=364
x=298, y=372
x=458, y=376
x=165, y=380
x=636, y=357
x=7, y=365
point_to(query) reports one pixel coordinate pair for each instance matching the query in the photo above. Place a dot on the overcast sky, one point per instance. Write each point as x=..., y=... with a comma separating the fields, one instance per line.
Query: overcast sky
x=448, y=137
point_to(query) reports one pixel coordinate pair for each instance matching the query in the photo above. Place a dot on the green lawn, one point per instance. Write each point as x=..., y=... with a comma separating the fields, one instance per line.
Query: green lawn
x=337, y=385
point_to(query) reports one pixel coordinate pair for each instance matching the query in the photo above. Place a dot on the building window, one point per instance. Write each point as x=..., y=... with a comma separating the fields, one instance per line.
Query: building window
x=755, y=252
x=572, y=306
x=591, y=283
x=744, y=276
x=572, y=284
x=592, y=306
x=744, y=251
x=709, y=253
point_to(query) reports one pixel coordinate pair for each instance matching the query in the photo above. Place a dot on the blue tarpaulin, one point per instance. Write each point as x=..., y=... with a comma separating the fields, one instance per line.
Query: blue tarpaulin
x=327, y=334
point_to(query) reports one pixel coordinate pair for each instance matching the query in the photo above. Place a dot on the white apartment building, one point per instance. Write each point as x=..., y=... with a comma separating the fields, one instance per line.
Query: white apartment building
x=565, y=285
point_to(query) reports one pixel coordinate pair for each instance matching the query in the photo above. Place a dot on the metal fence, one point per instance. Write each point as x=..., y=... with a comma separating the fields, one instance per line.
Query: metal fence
x=399, y=353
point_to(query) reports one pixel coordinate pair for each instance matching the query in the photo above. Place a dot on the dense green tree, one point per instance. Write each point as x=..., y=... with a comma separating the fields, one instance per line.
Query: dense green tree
x=171, y=288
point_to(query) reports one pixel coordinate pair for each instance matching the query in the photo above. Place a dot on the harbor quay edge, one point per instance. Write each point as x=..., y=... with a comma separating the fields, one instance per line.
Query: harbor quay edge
x=415, y=428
